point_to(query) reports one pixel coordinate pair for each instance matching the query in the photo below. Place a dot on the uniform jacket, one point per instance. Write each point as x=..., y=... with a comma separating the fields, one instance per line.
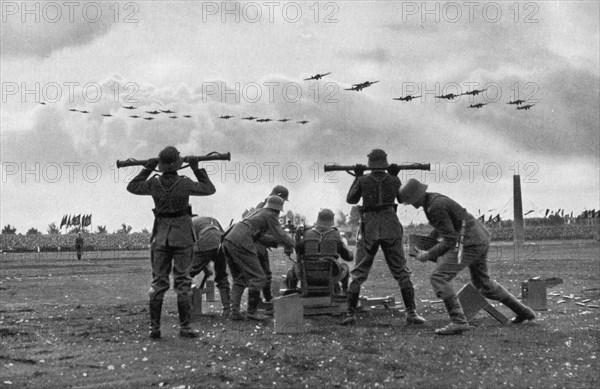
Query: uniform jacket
x=208, y=232
x=246, y=233
x=378, y=190
x=445, y=216
x=171, y=193
x=323, y=241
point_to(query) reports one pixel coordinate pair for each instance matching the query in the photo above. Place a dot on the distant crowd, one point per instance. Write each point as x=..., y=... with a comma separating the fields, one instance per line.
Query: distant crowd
x=141, y=240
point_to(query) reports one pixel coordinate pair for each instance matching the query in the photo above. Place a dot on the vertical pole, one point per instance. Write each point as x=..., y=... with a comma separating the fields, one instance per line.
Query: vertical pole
x=519, y=233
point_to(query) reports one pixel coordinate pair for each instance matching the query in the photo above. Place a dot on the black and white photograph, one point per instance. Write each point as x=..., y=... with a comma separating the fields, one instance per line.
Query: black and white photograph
x=300, y=194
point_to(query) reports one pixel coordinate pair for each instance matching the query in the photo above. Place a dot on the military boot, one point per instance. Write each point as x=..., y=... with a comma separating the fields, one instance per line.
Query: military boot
x=184, y=306
x=253, y=300
x=155, y=313
x=350, y=318
x=225, y=301
x=408, y=296
x=236, y=300
x=523, y=312
x=458, y=322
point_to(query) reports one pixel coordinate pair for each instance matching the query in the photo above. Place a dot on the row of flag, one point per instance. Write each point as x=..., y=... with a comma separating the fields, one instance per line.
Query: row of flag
x=79, y=220
x=492, y=219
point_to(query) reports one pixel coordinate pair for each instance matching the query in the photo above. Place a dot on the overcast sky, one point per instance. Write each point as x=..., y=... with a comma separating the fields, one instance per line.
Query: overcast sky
x=199, y=59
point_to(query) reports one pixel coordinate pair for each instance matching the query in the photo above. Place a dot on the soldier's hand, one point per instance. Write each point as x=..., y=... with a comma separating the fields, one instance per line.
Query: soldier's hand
x=193, y=163
x=419, y=255
x=393, y=169
x=359, y=170
x=151, y=164
x=288, y=250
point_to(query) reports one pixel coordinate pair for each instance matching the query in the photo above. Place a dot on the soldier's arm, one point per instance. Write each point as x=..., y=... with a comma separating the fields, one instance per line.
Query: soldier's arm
x=344, y=252
x=204, y=187
x=278, y=233
x=440, y=220
x=139, y=184
x=354, y=193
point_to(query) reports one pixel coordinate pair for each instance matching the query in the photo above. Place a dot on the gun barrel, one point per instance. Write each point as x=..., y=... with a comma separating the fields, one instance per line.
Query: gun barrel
x=132, y=162
x=214, y=156
x=413, y=166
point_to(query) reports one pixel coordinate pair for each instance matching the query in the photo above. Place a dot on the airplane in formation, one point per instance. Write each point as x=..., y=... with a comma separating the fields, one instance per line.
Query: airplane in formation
x=517, y=102
x=73, y=110
x=148, y=118
x=106, y=115
x=42, y=103
x=449, y=96
x=361, y=86
x=249, y=118
x=187, y=116
x=302, y=122
x=134, y=116
x=153, y=112
x=526, y=107
x=84, y=111
x=167, y=111
x=226, y=117
x=266, y=120
x=284, y=120
x=129, y=107
x=317, y=76
x=406, y=98
x=173, y=117
x=478, y=105
x=475, y=92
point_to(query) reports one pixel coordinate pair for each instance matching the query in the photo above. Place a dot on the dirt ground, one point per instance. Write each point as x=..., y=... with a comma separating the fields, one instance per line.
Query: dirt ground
x=84, y=324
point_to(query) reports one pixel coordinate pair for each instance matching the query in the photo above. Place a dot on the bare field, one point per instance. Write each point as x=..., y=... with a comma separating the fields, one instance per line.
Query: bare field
x=83, y=324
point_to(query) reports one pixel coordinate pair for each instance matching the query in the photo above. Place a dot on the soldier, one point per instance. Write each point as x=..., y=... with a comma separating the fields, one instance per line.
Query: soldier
x=262, y=250
x=379, y=226
x=173, y=236
x=447, y=217
x=79, y=246
x=323, y=241
x=209, y=232
x=239, y=247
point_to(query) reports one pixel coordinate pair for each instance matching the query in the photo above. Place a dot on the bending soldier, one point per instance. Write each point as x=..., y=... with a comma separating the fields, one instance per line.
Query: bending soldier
x=239, y=247
x=447, y=217
x=379, y=227
x=209, y=233
x=322, y=242
x=172, y=237
x=262, y=250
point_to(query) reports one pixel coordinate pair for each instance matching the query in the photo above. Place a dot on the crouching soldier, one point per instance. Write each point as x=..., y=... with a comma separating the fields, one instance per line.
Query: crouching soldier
x=322, y=242
x=173, y=236
x=206, y=251
x=239, y=247
x=447, y=218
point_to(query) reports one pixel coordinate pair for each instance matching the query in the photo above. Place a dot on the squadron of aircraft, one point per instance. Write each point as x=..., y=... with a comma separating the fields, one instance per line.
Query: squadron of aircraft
x=355, y=87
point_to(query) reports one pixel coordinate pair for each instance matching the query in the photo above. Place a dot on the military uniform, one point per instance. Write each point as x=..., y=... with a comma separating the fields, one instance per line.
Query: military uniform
x=263, y=246
x=173, y=235
x=322, y=242
x=379, y=227
x=446, y=216
x=239, y=247
x=209, y=233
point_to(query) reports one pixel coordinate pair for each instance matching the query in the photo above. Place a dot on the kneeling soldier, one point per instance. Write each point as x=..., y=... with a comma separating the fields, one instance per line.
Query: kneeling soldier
x=322, y=242
x=173, y=234
x=447, y=217
x=239, y=247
